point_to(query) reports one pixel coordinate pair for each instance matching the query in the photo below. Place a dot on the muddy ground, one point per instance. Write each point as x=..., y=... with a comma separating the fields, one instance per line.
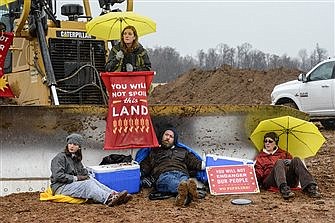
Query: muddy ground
x=224, y=85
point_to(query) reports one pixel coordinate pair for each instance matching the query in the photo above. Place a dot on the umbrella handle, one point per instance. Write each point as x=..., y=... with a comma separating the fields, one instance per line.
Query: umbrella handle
x=121, y=30
x=286, y=144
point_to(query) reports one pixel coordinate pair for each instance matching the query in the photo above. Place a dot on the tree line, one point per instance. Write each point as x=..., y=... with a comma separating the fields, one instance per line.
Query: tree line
x=169, y=64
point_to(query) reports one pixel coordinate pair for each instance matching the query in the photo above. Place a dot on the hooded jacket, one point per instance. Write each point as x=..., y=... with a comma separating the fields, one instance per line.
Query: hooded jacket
x=138, y=58
x=175, y=158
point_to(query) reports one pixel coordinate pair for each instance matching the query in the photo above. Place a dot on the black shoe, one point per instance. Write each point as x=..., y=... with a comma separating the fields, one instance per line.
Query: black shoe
x=286, y=192
x=312, y=191
x=160, y=195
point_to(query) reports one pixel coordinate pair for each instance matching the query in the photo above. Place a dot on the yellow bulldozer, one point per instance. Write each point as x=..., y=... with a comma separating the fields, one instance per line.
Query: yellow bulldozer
x=53, y=69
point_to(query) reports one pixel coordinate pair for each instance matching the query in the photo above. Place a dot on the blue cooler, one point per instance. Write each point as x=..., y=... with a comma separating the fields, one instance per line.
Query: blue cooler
x=123, y=176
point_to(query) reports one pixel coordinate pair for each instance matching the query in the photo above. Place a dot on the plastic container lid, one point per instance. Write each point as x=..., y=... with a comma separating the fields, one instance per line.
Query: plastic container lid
x=113, y=167
x=241, y=201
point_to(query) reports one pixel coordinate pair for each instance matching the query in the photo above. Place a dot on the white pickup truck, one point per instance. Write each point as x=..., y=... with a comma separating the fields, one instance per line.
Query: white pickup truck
x=313, y=93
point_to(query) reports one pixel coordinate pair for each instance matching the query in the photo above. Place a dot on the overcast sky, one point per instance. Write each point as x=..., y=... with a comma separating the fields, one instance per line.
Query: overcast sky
x=275, y=27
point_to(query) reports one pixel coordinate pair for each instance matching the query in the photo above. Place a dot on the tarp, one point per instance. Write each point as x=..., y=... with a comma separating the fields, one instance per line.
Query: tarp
x=47, y=196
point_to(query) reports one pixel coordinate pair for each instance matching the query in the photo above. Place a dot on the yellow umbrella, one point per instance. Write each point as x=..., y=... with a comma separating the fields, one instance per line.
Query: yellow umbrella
x=6, y=2
x=110, y=25
x=299, y=137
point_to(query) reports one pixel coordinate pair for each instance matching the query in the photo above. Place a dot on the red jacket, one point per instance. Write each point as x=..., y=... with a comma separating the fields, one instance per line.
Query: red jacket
x=265, y=162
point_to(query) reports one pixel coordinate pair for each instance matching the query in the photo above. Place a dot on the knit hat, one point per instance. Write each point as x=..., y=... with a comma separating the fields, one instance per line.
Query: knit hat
x=273, y=136
x=75, y=138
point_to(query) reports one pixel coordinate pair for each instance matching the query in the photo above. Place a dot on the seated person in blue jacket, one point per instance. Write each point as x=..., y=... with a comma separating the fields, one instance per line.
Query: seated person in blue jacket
x=170, y=166
x=70, y=178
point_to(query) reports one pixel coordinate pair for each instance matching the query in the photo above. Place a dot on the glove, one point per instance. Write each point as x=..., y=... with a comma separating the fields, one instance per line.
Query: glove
x=80, y=177
x=129, y=67
x=119, y=55
x=287, y=162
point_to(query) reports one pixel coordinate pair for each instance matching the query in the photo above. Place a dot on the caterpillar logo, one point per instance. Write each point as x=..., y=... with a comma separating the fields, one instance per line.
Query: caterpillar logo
x=74, y=34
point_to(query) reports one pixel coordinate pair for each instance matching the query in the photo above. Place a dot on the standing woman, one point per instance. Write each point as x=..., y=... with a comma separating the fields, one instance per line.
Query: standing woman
x=70, y=178
x=128, y=55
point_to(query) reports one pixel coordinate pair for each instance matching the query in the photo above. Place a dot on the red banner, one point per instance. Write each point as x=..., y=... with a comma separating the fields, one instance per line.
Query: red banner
x=128, y=122
x=234, y=179
x=6, y=39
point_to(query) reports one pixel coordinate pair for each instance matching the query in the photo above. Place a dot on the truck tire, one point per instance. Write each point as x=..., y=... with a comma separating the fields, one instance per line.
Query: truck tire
x=328, y=124
x=290, y=105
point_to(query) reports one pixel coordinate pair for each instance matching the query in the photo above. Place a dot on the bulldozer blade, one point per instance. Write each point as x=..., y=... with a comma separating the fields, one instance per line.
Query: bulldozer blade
x=32, y=135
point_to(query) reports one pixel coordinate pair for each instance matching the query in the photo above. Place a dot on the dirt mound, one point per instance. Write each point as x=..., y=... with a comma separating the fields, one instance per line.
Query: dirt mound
x=225, y=85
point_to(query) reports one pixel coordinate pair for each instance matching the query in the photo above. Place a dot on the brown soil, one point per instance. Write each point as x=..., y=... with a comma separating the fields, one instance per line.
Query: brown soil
x=224, y=85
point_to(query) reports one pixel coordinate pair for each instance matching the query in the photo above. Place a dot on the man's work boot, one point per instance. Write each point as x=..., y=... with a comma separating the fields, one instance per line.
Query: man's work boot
x=312, y=191
x=182, y=193
x=286, y=192
x=192, y=190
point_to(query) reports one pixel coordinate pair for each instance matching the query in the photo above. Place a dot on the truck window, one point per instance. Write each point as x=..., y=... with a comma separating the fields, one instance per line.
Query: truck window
x=323, y=72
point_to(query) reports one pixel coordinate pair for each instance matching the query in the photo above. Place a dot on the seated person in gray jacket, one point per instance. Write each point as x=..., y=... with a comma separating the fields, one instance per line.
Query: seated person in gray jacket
x=69, y=177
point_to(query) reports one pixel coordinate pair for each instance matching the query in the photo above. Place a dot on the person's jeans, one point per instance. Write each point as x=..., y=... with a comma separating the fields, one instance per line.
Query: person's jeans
x=88, y=189
x=168, y=182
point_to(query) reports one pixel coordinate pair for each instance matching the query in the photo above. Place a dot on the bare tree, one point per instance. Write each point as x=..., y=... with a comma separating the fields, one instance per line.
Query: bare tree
x=226, y=54
x=274, y=61
x=212, y=59
x=258, y=61
x=288, y=62
x=188, y=63
x=169, y=64
x=318, y=55
x=305, y=61
x=166, y=62
x=201, y=58
x=243, y=57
